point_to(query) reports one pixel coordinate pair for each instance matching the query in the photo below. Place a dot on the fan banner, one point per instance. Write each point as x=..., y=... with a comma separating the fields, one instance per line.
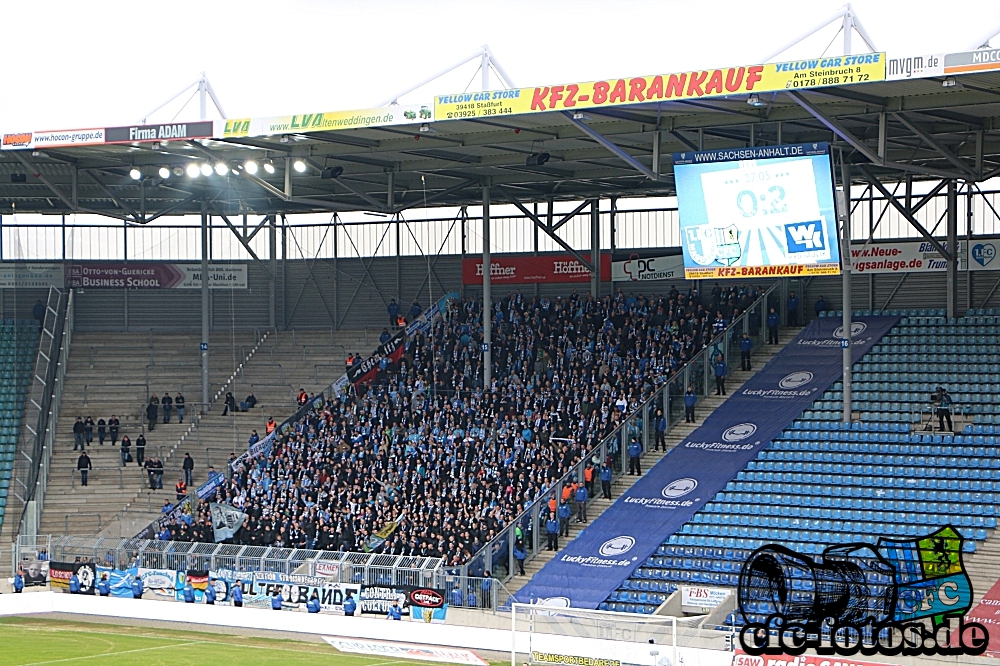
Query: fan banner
x=591, y=567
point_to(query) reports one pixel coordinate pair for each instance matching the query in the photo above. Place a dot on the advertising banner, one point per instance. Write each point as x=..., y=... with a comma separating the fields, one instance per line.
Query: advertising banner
x=756, y=212
x=168, y=132
x=102, y=275
x=525, y=269
x=52, y=139
x=915, y=256
x=703, y=597
x=648, y=269
x=987, y=613
x=26, y=276
x=593, y=565
x=326, y=121
x=741, y=659
x=394, y=650
x=812, y=73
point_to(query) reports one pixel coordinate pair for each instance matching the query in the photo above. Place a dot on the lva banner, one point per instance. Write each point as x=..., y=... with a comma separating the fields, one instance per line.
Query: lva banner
x=592, y=566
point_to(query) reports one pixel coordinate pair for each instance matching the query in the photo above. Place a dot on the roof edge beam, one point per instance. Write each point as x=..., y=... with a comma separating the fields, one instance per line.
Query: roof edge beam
x=935, y=144
x=837, y=128
x=139, y=219
x=545, y=228
x=907, y=215
x=612, y=147
x=243, y=241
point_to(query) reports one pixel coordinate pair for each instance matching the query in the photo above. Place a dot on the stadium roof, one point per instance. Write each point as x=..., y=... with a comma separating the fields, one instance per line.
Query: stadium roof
x=929, y=117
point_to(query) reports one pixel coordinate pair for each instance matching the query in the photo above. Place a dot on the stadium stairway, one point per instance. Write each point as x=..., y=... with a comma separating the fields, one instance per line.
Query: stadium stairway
x=677, y=434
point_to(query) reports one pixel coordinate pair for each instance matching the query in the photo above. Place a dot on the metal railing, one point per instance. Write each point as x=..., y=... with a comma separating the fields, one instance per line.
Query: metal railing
x=37, y=438
x=496, y=558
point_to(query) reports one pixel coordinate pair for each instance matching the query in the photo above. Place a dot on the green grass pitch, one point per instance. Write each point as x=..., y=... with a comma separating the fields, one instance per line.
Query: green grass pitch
x=27, y=641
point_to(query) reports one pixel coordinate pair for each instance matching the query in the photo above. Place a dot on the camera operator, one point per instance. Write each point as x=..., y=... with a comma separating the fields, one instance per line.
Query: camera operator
x=942, y=401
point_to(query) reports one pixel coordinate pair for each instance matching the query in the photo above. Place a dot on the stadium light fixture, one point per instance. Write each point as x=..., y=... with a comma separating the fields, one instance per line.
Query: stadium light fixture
x=580, y=115
x=331, y=172
x=135, y=174
x=250, y=167
x=178, y=171
x=951, y=82
x=269, y=166
x=193, y=170
x=221, y=169
x=537, y=159
x=164, y=173
x=206, y=169
x=300, y=166
x=755, y=101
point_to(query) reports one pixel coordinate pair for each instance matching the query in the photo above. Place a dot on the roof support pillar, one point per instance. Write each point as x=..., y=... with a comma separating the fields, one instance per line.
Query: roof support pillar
x=952, y=299
x=204, y=307
x=595, y=248
x=487, y=304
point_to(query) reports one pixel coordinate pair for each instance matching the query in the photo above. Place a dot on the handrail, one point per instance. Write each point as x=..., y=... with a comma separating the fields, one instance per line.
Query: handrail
x=614, y=438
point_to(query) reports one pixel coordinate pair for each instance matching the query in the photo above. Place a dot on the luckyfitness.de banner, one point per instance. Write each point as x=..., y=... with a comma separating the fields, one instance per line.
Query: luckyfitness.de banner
x=592, y=566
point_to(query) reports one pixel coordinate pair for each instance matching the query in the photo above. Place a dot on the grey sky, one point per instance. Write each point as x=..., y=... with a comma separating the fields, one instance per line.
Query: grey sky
x=72, y=64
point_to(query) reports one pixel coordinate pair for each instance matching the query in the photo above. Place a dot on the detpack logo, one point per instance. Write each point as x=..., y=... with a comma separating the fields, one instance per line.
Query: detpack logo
x=679, y=488
x=795, y=380
x=738, y=433
x=617, y=546
x=896, y=597
x=805, y=237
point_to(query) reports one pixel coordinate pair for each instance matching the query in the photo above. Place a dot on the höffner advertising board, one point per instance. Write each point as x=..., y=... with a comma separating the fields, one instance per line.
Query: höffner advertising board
x=593, y=565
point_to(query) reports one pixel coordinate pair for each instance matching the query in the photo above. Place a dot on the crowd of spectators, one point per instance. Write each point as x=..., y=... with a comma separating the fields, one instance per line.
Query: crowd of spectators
x=425, y=460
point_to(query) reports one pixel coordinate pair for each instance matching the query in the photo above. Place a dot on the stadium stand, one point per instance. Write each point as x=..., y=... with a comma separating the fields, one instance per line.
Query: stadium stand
x=824, y=482
x=18, y=344
x=569, y=356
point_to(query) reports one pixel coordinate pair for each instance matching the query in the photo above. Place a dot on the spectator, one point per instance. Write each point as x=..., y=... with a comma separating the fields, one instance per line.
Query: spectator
x=148, y=466
x=167, y=507
x=19, y=581
x=88, y=430
x=113, y=426
x=520, y=554
x=721, y=370
x=137, y=587
x=157, y=469
x=104, y=585
x=606, y=480
x=78, y=437
x=270, y=425
x=237, y=594
x=188, y=467
x=581, y=504
x=179, y=405
x=254, y=438
x=312, y=605
x=125, y=451
x=588, y=478
x=564, y=513
x=820, y=307
x=385, y=337
x=552, y=531
x=944, y=408
x=140, y=449
x=277, y=600
x=634, y=453
x=393, y=310
x=773, y=320
x=746, y=344
x=249, y=403
x=230, y=402
x=395, y=612
x=792, y=305
x=350, y=605
x=168, y=405
x=415, y=310
x=38, y=312
x=180, y=489
x=152, y=412
x=210, y=593
x=660, y=431
x=690, y=400
x=102, y=431
x=84, y=465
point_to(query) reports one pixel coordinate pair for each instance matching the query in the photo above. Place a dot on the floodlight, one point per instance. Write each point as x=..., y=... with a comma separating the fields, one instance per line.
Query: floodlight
x=269, y=166
x=537, y=159
x=164, y=172
x=331, y=172
x=178, y=171
x=755, y=101
x=135, y=174
x=950, y=82
x=300, y=166
x=206, y=169
x=250, y=167
x=193, y=170
x=221, y=169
